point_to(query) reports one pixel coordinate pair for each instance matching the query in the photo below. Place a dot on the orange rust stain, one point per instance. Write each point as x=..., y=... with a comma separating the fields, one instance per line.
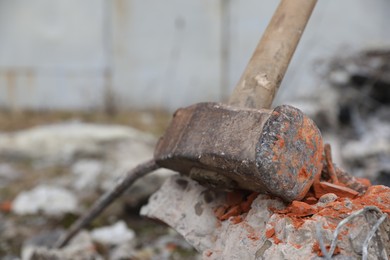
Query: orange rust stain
x=218, y=224
x=253, y=236
x=317, y=249
x=303, y=175
x=301, y=209
x=270, y=232
x=280, y=141
x=231, y=212
x=342, y=234
x=313, y=142
x=246, y=205
x=220, y=211
x=208, y=253
x=297, y=246
x=286, y=125
x=6, y=206
x=279, y=146
x=308, y=133
x=236, y=205
x=297, y=222
x=277, y=241
x=377, y=190
x=311, y=200
x=298, y=209
x=364, y=181
x=236, y=219
x=171, y=247
x=337, y=210
x=378, y=195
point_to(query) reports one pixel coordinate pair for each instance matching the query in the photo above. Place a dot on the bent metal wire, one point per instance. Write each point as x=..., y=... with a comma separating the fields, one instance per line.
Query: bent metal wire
x=328, y=255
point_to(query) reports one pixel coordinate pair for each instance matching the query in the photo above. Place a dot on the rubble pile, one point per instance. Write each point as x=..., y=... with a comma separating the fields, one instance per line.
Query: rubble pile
x=335, y=216
x=353, y=112
x=363, y=84
x=254, y=226
x=49, y=176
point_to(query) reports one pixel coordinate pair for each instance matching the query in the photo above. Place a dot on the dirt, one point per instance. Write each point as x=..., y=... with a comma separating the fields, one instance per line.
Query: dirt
x=18, y=229
x=151, y=121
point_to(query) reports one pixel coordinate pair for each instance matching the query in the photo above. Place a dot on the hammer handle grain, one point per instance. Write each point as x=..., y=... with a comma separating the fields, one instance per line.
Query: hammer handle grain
x=265, y=71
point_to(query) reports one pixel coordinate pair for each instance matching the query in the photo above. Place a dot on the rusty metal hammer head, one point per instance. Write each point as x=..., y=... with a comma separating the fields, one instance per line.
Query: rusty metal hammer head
x=270, y=151
x=274, y=151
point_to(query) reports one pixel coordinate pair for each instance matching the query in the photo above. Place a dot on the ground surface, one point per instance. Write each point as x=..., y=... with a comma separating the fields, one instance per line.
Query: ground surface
x=151, y=121
x=22, y=174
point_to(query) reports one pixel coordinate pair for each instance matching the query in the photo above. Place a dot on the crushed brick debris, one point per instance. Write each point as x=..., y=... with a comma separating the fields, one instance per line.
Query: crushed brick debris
x=208, y=253
x=323, y=187
x=317, y=249
x=339, y=177
x=334, y=195
x=334, y=211
x=237, y=203
x=338, y=209
x=270, y=232
x=6, y=206
x=310, y=200
x=297, y=209
x=363, y=181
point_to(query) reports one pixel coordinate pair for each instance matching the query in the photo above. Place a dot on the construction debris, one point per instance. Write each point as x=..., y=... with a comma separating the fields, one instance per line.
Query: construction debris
x=87, y=173
x=37, y=194
x=52, y=201
x=360, y=105
x=222, y=225
x=229, y=225
x=8, y=174
x=115, y=234
x=81, y=247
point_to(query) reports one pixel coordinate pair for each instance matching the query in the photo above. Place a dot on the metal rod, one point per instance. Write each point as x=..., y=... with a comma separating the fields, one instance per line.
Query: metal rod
x=328, y=255
x=105, y=200
x=370, y=235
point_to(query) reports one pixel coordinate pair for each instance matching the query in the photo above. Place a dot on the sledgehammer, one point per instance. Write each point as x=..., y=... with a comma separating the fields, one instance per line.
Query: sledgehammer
x=242, y=145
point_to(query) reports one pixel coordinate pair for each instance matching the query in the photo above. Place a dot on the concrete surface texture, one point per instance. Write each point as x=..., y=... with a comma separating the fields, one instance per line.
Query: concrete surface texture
x=96, y=54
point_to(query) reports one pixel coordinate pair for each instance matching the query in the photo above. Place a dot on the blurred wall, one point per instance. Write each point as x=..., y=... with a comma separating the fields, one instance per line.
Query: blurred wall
x=92, y=54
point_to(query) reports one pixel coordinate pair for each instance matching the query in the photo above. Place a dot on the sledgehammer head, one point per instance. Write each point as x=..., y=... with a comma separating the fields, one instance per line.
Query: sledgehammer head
x=276, y=151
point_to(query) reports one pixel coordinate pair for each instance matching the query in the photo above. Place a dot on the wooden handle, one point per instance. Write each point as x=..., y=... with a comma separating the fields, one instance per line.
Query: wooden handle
x=262, y=77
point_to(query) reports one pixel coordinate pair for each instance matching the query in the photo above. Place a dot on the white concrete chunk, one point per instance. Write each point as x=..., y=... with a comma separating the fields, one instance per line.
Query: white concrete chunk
x=50, y=200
